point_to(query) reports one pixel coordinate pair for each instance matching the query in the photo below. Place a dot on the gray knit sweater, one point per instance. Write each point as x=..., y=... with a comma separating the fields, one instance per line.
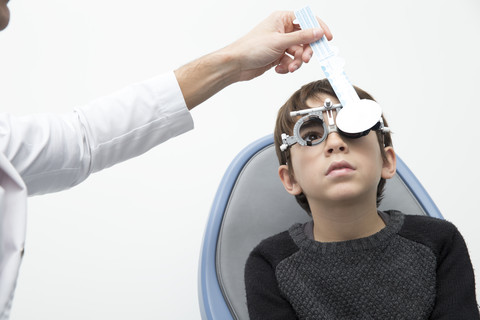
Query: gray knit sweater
x=414, y=268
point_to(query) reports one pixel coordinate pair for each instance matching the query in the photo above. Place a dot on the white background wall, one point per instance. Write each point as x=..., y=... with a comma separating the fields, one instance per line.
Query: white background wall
x=125, y=244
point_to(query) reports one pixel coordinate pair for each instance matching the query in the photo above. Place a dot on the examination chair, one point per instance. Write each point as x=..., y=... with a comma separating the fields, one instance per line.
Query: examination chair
x=250, y=205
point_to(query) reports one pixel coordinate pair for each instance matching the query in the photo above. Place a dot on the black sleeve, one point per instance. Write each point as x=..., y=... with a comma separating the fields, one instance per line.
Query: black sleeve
x=264, y=298
x=455, y=281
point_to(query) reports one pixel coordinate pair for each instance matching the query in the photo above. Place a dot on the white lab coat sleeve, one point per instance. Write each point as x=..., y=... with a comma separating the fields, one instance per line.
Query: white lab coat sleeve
x=56, y=152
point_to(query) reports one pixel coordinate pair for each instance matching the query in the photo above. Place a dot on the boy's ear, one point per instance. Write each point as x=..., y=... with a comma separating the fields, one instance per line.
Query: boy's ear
x=288, y=181
x=389, y=165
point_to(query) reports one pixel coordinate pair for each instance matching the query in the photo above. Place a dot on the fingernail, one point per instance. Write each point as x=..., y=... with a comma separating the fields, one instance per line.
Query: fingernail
x=294, y=68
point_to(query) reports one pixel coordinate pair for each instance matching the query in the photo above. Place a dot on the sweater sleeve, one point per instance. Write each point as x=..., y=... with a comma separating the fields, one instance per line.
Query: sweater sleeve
x=264, y=298
x=455, y=282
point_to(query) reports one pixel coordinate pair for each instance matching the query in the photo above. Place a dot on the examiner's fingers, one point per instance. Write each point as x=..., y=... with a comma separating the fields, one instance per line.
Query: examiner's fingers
x=300, y=37
x=297, y=53
x=326, y=29
x=284, y=64
x=303, y=52
x=307, y=53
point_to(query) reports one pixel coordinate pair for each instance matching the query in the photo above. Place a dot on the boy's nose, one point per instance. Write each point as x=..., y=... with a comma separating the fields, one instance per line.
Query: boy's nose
x=335, y=143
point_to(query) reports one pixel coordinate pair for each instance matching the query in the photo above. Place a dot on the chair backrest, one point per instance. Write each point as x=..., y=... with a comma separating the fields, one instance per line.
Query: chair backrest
x=250, y=205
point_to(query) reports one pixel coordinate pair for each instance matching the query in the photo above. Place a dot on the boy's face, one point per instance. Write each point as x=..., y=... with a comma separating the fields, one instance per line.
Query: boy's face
x=337, y=169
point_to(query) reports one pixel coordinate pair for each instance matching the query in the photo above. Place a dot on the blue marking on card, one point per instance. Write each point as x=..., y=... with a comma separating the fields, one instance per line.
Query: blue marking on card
x=331, y=64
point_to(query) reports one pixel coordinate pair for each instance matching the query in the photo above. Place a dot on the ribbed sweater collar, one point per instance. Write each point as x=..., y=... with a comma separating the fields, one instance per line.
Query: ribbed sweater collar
x=393, y=224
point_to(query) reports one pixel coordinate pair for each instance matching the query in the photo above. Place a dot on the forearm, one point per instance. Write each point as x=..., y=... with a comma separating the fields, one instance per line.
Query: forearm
x=204, y=77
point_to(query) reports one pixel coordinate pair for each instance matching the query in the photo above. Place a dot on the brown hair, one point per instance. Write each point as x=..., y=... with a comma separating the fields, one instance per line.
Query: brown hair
x=285, y=124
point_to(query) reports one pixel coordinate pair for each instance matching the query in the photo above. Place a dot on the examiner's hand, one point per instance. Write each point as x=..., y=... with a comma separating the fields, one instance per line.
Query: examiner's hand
x=276, y=41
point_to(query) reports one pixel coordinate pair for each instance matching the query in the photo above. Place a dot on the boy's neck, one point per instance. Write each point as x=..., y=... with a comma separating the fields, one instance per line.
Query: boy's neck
x=345, y=222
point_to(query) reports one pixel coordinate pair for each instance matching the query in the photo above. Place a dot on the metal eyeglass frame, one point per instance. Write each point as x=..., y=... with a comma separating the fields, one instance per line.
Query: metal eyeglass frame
x=322, y=113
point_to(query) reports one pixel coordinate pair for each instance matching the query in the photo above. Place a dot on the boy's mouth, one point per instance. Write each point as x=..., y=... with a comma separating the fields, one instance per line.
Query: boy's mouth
x=339, y=165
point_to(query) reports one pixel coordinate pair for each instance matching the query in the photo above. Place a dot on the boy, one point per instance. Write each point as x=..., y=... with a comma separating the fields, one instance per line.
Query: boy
x=352, y=261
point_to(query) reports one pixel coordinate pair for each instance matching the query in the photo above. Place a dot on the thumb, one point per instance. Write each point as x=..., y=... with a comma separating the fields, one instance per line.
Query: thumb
x=302, y=37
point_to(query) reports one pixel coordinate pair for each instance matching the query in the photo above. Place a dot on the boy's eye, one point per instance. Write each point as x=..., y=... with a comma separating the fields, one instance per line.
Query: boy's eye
x=312, y=130
x=311, y=136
